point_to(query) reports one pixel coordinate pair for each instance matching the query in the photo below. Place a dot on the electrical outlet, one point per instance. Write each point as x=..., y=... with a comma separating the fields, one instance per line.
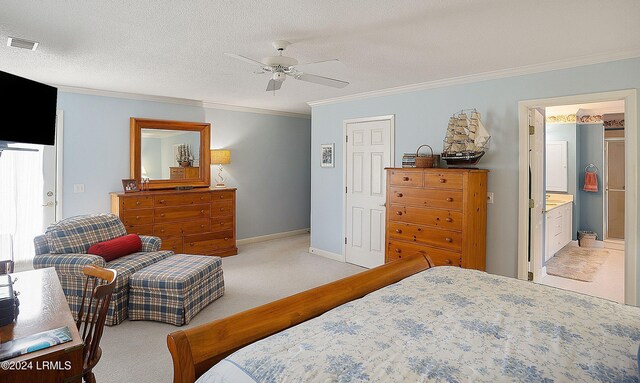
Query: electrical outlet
x=78, y=188
x=489, y=197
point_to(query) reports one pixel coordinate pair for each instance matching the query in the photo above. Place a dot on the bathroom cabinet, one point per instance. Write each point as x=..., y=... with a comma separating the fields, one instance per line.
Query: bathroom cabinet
x=558, y=229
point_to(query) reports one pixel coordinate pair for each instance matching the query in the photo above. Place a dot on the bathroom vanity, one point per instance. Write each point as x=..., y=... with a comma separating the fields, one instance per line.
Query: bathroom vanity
x=558, y=224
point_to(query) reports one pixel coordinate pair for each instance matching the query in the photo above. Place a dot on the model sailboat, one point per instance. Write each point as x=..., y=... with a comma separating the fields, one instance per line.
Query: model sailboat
x=466, y=141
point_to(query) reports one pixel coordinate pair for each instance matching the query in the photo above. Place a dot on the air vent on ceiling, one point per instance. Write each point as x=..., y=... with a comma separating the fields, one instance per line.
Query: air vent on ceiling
x=22, y=43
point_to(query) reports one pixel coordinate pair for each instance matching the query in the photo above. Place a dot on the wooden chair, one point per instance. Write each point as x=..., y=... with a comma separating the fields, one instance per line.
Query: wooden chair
x=98, y=289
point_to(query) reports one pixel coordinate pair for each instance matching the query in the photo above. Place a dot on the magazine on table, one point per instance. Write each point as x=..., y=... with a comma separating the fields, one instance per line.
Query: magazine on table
x=34, y=342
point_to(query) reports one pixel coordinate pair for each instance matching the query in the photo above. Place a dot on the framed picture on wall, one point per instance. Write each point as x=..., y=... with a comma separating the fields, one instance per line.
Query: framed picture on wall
x=327, y=155
x=130, y=185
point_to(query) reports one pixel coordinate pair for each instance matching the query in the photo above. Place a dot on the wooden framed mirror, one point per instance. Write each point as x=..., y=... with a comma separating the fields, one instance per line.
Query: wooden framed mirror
x=170, y=153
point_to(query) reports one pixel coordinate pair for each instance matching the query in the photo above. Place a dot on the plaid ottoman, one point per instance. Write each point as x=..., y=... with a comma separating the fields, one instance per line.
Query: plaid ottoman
x=175, y=289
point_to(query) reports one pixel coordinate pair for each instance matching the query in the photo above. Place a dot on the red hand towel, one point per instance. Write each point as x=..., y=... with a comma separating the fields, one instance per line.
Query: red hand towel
x=590, y=182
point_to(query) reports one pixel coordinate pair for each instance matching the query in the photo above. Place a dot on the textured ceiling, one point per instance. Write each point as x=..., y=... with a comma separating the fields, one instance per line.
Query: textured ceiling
x=175, y=48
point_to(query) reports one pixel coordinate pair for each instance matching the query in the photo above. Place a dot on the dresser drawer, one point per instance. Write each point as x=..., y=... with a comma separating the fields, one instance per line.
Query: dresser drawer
x=173, y=244
x=140, y=229
x=176, y=173
x=222, y=223
x=181, y=199
x=443, y=180
x=446, y=219
x=208, y=243
x=417, y=233
x=177, y=229
x=136, y=202
x=178, y=213
x=137, y=217
x=405, y=178
x=222, y=208
x=222, y=195
x=397, y=250
x=446, y=199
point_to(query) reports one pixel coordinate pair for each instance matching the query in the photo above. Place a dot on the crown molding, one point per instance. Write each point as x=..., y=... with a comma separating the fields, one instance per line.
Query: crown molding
x=492, y=75
x=178, y=101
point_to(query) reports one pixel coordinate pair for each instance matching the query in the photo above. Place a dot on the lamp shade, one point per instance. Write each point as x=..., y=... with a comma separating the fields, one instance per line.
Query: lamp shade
x=220, y=157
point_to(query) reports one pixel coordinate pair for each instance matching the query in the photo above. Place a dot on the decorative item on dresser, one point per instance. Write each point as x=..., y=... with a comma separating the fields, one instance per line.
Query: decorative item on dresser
x=438, y=212
x=197, y=221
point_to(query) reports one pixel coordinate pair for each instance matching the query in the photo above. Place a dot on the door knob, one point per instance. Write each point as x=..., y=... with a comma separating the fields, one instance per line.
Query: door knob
x=384, y=204
x=49, y=204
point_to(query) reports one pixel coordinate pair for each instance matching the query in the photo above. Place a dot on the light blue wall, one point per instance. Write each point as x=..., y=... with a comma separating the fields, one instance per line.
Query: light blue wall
x=270, y=166
x=269, y=158
x=568, y=132
x=591, y=203
x=151, y=157
x=421, y=118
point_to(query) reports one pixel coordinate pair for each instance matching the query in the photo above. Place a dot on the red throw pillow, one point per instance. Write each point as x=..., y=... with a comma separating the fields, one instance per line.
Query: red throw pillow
x=117, y=247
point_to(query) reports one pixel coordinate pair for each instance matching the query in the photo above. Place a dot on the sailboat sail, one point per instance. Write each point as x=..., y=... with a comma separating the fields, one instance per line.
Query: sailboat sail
x=466, y=139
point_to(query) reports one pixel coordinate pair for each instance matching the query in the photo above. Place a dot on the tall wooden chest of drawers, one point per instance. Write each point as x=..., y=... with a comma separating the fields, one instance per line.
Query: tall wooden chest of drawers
x=440, y=212
x=197, y=221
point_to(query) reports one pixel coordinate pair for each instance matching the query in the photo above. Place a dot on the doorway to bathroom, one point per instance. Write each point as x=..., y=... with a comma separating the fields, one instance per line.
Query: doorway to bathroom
x=583, y=221
x=578, y=194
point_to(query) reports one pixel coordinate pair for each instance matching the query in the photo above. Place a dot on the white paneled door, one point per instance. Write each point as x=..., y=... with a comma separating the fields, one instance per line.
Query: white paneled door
x=369, y=149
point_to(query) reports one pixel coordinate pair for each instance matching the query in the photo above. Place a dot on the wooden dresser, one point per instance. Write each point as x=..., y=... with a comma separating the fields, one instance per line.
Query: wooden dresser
x=180, y=173
x=197, y=221
x=441, y=212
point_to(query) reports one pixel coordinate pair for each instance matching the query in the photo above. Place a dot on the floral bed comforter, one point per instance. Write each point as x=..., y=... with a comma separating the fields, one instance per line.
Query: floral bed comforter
x=448, y=324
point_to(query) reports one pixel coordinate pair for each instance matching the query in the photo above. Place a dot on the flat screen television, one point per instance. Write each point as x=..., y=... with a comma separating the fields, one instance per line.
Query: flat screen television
x=28, y=109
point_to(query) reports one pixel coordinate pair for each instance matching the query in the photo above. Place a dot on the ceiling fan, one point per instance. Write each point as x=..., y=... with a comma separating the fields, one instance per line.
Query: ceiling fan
x=282, y=66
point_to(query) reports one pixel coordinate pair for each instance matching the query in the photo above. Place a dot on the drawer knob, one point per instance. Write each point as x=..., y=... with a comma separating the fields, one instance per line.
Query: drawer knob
x=399, y=194
x=448, y=219
x=448, y=261
x=201, y=211
x=399, y=213
x=161, y=214
x=449, y=199
x=137, y=217
x=162, y=230
x=398, y=231
x=191, y=244
x=221, y=209
x=398, y=251
x=202, y=226
x=405, y=178
x=226, y=239
x=221, y=223
x=221, y=197
x=443, y=180
x=161, y=201
x=137, y=203
x=448, y=239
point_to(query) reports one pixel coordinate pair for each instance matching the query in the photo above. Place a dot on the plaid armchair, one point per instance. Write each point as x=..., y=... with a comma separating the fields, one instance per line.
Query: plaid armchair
x=64, y=246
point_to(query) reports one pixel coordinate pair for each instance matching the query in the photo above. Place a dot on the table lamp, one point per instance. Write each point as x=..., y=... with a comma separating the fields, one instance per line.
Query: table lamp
x=220, y=157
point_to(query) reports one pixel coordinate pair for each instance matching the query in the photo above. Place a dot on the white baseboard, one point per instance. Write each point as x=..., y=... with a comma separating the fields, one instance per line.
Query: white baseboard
x=269, y=237
x=327, y=254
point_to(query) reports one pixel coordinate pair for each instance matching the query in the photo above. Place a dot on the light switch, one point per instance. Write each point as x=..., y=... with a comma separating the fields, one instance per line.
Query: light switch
x=489, y=197
x=78, y=188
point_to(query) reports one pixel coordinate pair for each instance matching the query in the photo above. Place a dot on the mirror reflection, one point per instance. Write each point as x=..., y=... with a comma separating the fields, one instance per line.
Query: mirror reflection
x=169, y=154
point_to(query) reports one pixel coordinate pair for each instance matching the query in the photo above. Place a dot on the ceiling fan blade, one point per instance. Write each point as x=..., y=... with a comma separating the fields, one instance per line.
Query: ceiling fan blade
x=245, y=59
x=273, y=85
x=320, y=80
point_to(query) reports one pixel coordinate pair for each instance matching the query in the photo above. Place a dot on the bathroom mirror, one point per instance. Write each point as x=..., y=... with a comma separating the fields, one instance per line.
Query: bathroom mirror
x=170, y=153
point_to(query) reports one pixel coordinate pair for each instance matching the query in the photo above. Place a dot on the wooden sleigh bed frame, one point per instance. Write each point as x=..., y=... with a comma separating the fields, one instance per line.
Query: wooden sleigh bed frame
x=196, y=350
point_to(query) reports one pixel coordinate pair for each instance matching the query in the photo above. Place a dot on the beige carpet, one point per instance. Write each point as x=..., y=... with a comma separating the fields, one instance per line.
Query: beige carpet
x=136, y=351
x=580, y=263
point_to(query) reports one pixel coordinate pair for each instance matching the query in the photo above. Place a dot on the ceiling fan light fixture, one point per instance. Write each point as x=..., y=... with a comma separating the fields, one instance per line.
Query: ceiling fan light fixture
x=279, y=76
